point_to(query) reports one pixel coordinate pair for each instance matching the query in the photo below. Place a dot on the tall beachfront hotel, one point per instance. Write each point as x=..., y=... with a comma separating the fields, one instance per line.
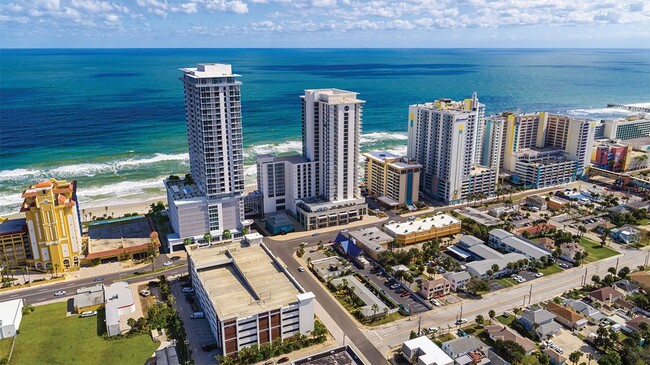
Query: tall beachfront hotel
x=447, y=138
x=53, y=225
x=212, y=200
x=321, y=187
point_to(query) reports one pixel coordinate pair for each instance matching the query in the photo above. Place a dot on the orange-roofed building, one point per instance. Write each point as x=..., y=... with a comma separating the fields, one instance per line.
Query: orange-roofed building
x=53, y=225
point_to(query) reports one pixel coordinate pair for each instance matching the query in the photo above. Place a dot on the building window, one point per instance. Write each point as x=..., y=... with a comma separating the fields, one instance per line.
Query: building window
x=75, y=261
x=66, y=263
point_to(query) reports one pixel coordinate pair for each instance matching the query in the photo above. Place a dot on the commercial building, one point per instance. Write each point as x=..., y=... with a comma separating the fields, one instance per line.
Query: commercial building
x=394, y=180
x=425, y=351
x=89, y=298
x=14, y=242
x=121, y=239
x=320, y=188
x=543, y=149
x=119, y=302
x=482, y=259
x=211, y=199
x=437, y=287
x=343, y=355
x=508, y=242
x=247, y=296
x=11, y=314
x=536, y=202
x=53, y=225
x=458, y=279
x=446, y=137
x=609, y=156
x=425, y=229
x=371, y=240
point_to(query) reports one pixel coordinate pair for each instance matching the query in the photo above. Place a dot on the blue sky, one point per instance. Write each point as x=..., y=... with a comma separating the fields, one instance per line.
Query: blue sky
x=325, y=23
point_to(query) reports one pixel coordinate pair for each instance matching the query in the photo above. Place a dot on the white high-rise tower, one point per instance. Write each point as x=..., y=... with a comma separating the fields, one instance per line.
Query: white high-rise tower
x=212, y=201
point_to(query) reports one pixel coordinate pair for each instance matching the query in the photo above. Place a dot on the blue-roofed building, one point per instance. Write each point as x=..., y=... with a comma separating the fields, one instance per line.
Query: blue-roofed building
x=347, y=246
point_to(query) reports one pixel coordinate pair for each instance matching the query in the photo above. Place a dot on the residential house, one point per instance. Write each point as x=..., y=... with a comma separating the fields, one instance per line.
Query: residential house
x=567, y=317
x=422, y=351
x=627, y=235
x=458, y=279
x=626, y=287
x=606, y=295
x=437, y=287
x=503, y=333
x=569, y=250
x=604, y=227
x=635, y=323
x=461, y=346
x=592, y=314
x=641, y=278
x=556, y=358
x=539, y=321
x=547, y=242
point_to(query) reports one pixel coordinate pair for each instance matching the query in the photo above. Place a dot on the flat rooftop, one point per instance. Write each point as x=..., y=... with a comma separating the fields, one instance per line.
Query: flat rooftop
x=242, y=280
x=209, y=70
x=8, y=310
x=293, y=158
x=371, y=237
x=122, y=234
x=422, y=225
x=480, y=217
x=179, y=190
x=339, y=356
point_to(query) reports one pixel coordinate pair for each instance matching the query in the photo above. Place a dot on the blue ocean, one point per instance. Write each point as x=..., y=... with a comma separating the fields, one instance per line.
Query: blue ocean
x=113, y=118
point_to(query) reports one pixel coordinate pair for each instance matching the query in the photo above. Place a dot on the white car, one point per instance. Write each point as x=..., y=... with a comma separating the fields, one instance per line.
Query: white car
x=88, y=314
x=59, y=293
x=301, y=269
x=168, y=263
x=539, y=275
x=145, y=293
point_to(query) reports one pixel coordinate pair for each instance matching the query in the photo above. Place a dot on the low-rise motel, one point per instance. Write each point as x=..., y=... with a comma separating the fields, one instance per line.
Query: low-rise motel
x=247, y=296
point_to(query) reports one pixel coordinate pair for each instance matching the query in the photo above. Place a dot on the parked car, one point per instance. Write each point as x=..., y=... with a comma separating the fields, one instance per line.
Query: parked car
x=188, y=290
x=461, y=321
x=506, y=314
x=301, y=269
x=59, y=293
x=539, y=274
x=99, y=278
x=283, y=360
x=435, y=302
x=168, y=263
x=405, y=294
x=88, y=314
x=145, y=293
x=197, y=315
x=395, y=286
x=315, y=234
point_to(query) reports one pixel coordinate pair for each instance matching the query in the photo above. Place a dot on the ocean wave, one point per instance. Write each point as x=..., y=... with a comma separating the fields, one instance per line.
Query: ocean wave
x=273, y=148
x=88, y=169
x=600, y=112
x=383, y=136
x=121, y=189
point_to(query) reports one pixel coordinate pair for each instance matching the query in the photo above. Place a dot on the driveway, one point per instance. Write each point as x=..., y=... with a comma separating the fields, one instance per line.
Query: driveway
x=198, y=330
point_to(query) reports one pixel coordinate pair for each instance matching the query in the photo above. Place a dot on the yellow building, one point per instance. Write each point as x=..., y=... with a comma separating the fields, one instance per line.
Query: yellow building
x=53, y=225
x=393, y=179
x=425, y=229
x=14, y=245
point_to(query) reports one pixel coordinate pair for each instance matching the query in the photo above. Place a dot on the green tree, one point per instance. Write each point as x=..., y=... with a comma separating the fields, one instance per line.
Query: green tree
x=207, y=237
x=574, y=357
x=226, y=234
x=475, y=286
x=187, y=241
x=479, y=320
x=375, y=309
x=610, y=358
x=543, y=358
x=492, y=314
x=510, y=351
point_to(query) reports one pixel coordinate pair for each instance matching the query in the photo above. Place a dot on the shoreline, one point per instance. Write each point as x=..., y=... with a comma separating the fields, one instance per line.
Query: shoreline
x=119, y=209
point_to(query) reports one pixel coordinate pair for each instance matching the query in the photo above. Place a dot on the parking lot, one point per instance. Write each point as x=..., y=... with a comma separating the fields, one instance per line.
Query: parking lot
x=569, y=342
x=408, y=301
x=197, y=329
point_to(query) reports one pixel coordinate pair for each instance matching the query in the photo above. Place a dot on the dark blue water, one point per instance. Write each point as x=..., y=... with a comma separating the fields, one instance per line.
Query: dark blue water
x=113, y=119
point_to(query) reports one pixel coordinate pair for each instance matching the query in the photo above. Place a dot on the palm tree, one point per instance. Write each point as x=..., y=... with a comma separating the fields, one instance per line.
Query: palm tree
x=590, y=357
x=207, y=237
x=491, y=314
x=574, y=357
x=385, y=311
x=375, y=309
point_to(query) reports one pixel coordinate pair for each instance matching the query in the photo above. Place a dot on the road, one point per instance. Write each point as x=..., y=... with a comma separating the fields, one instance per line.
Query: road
x=284, y=250
x=45, y=292
x=542, y=289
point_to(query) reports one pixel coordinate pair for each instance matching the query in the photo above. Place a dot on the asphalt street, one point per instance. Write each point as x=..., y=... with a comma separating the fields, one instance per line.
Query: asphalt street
x=45, y=292
x=284, y=251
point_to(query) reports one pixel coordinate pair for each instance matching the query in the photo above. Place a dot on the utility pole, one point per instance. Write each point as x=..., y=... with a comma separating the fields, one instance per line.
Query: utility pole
x=461, y=312
x=530, y=293
x=616, y=266
x=647, y=256
x=524, y=303
x=419, y=323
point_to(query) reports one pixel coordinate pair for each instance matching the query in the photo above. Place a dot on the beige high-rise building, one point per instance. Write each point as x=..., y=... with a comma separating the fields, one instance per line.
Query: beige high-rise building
x=53, y=225
x=391, y=178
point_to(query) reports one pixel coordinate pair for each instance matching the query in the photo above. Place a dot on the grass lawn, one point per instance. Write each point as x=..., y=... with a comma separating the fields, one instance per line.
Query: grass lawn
x=530, y=360
x=47, y=336
x=505, y=321
x=385, y=319
x=5, y=347
x=505, y=282
x=553, y=269
x=595, y=251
